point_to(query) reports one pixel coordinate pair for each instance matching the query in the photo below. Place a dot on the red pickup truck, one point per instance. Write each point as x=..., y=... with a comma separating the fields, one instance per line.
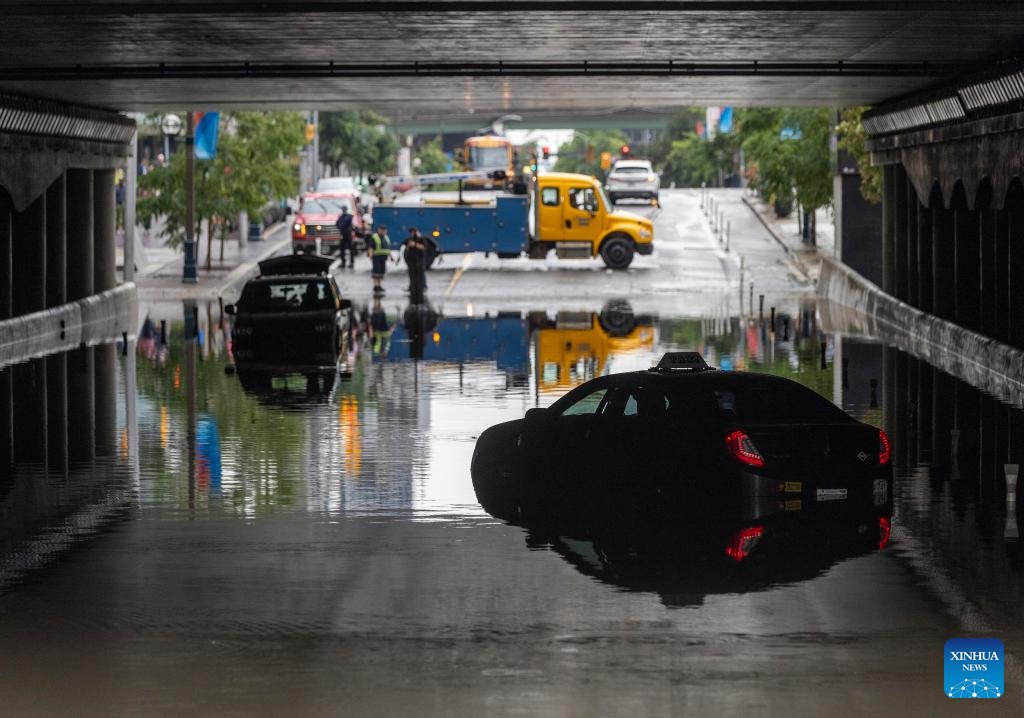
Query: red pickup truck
x=317, y=219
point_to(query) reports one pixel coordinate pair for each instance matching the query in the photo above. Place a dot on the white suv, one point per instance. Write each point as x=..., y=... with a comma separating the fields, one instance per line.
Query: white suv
x=632, y=179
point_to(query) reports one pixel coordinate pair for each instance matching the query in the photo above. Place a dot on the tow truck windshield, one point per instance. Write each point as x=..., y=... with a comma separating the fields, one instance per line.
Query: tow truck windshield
x=488, y=158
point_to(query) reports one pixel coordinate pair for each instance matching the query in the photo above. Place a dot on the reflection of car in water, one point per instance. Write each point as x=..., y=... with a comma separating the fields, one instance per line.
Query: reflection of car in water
x=288, y=386
x=683, y=443
x=684, y=561
x=292, y=314
x=571, y=348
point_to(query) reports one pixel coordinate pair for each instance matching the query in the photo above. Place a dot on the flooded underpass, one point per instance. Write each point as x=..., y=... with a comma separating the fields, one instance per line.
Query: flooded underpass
x=236, y=540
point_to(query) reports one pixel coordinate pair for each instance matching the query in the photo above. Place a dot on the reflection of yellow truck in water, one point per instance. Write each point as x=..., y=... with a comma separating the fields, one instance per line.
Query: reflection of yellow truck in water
x=577, y=346
x=568, y=349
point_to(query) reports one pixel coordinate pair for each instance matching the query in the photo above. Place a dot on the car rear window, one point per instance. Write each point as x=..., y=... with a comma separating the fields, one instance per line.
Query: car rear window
x=287, y=295
x=779, y=404
x=632, y=170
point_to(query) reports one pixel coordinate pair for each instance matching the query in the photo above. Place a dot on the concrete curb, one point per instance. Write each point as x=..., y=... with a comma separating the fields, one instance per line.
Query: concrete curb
x=865, y=309
x=781, y=242
x=97, y=319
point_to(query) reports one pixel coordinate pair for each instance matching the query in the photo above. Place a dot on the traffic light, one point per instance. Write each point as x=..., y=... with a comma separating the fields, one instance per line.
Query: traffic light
x=590, y=153
x=546, y=152
x=625, y=150
x=606, y=160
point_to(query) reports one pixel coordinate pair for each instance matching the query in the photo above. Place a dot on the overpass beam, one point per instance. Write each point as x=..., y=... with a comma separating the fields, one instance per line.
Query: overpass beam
x=104, y=223
x=79, y=234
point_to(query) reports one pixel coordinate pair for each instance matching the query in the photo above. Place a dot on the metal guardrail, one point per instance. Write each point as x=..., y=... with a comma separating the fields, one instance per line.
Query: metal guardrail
x=45, y=118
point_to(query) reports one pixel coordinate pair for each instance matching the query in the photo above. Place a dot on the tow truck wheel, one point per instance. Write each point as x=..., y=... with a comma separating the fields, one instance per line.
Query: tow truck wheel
x=617, y=318
x=617, y=252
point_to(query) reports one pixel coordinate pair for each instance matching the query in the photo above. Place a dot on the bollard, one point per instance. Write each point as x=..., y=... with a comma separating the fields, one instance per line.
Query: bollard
x=124, y=344
x=728, y=233
x=785, y=329
x=195, y=321
x=824, y=360
x=773, y=320
x=163, y=332
x=750, y=303
x=1010, y=531
x=220, y=315
x=760, y=307
x=721, y=221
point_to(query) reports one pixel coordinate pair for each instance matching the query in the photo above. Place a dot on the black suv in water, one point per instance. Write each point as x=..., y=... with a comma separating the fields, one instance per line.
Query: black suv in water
x=291, y=315
x=683, y=442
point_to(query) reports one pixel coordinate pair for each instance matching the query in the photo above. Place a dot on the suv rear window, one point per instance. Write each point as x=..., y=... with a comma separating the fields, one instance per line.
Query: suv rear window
x=285, y=295
x=632, y=170
x=773, y=404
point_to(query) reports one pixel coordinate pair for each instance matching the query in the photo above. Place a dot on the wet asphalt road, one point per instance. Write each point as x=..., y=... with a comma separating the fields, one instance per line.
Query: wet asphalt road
x=314, y=546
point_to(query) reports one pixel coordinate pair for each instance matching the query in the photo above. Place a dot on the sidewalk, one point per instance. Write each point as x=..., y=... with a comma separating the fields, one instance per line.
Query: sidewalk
x=787, y=233
x=163, y=282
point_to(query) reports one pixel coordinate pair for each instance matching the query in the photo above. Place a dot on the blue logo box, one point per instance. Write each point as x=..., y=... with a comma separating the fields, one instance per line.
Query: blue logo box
x=973, y=668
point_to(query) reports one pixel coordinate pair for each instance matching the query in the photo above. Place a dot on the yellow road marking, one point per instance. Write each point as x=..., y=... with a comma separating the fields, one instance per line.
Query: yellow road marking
x=458, y=274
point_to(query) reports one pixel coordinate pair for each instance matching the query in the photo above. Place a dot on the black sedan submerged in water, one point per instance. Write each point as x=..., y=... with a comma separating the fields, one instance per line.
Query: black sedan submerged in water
x=684, y=446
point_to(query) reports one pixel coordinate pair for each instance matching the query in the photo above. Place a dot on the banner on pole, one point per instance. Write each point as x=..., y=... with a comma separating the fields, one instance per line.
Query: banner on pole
x=207, y=124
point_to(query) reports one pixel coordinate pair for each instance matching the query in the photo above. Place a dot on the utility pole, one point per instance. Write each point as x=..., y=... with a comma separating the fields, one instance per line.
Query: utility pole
x=189, y=275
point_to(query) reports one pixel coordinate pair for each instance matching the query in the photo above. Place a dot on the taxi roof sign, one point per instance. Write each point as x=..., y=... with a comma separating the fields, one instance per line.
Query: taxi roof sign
x=682, y=361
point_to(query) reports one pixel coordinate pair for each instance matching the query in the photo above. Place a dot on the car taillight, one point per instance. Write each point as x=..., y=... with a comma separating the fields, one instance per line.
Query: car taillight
x=741, y=446
x=884, y=448
x=743, y=541
x=884, y=531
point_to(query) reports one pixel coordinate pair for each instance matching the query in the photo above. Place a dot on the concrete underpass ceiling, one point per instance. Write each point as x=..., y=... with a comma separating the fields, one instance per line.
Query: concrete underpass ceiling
x=467, y=58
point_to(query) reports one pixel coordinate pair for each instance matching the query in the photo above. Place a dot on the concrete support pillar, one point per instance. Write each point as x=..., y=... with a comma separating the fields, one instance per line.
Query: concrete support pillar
x=943, y=403
x=889, y=391
x=57, y=412
x=79, y=235
x=106, y=399
x=925, y=270
x=900, y=234
x=987, y=260
x=968, y=416
x=29, y=253
x=889, y=228
x=1015, y=275
x=968, y=273
x=6, y=421
x=925, y=377
x=911, y=296
x=6, y=261
x=1000, y=251
x=943, y=263
x=104, y=229
x=29, y=390
x=911, y=418
x=81, y=405
x=901, y=409
x=56, y=243
x=987, y=431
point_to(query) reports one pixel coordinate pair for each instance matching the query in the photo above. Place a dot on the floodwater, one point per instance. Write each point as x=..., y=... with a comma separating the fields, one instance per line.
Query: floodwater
x=223, y=543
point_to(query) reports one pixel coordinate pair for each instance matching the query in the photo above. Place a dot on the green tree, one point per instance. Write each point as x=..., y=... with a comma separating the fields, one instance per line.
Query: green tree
x=361, y=141
x=257, y=162
x=854, y=139
x=693, y=161
x=432, y=158
x=784, y=165
x=582, y=153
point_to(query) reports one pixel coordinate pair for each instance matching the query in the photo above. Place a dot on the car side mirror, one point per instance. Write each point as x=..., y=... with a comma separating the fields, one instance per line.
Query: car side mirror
x=346, y=304
x=538, y=417
x=230, y=309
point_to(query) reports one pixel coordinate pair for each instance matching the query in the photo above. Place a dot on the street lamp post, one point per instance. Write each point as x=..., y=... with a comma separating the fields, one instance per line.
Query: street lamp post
x=189, y=274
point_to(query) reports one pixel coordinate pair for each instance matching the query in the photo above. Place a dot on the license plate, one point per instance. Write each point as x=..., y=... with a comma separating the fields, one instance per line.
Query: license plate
x=881, y=491
x=831, y=494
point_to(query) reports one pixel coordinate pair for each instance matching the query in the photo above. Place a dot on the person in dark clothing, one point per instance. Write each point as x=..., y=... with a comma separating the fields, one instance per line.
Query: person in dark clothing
x=416, y=262
x=346, y=243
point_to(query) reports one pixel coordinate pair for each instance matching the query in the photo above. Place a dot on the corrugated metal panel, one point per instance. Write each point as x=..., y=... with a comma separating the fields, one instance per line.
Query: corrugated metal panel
x=44, y=118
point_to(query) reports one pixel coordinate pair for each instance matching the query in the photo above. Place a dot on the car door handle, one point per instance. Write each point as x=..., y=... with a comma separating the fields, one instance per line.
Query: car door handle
x=568, y=224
